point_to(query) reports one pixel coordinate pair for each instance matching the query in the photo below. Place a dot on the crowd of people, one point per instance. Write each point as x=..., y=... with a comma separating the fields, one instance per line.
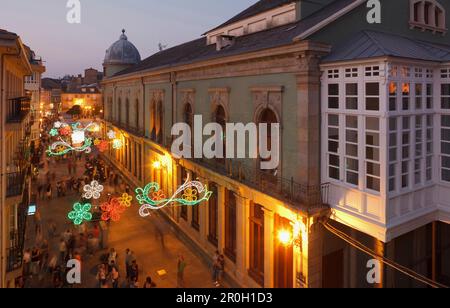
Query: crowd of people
x=46, y=260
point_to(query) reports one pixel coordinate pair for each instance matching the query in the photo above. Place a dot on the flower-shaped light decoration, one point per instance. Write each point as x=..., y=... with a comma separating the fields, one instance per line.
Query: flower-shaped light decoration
x=97, y=142
x=190, y=194
x=60, y=149
x=125, y=200
x=80, y=213
x=54, y=132
x=103, y=146
x=93, y=190
x=58, y=124
x=112, y=210
x=158, y=195
x=117, y=144
x=111, y=134
x=65, y=131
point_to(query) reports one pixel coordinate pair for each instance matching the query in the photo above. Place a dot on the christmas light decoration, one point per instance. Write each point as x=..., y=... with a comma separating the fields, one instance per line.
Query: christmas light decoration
x=151, y=198
x=80, y=213
x=117, y=144
x=112, y=210
x=125, y=200
x=111, y=135
x=93, y=191
x=56, y=148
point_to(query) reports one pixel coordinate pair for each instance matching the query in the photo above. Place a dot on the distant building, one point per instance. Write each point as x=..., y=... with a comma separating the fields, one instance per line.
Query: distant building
x=51, y=97
x=88, y=97
x=33, y=88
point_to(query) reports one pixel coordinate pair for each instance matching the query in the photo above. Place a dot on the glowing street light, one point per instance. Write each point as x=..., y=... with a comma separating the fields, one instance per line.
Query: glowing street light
x=285, y=237
x=156, y=165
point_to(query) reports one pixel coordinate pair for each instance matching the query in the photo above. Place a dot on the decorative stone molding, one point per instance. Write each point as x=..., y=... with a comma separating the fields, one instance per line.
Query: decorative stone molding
x=267, y=97
x=187, y=97
x=220, y=97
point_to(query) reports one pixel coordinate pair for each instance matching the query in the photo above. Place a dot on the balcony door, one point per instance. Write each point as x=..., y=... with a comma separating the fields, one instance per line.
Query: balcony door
x=284, y=257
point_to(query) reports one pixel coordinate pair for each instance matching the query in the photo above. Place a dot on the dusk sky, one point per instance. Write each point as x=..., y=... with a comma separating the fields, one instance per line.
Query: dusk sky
x=70, y=48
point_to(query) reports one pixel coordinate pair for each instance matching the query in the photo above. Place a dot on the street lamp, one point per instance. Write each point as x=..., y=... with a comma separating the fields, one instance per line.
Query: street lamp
x=156, y=165
x=285, y=237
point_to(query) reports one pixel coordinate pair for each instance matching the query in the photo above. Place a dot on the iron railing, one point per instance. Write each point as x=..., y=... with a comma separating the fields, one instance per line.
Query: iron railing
x=18, y=109
x=273, y=185
x=17, y=238
x=14, y=184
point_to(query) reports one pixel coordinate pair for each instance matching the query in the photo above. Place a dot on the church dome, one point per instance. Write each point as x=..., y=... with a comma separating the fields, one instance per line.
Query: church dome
x=122, y=52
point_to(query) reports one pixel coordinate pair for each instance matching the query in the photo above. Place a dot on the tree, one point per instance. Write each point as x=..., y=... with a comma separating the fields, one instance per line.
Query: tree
x=75, y=111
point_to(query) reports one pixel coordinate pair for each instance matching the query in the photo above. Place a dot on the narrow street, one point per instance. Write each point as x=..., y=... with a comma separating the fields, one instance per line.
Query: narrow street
x=132, y=232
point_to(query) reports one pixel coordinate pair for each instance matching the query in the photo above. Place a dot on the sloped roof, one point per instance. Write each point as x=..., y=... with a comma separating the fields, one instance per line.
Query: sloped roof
x=50, y=84
x=257, y=8
x=6, y=35
x=198, y=50
x=371, y=44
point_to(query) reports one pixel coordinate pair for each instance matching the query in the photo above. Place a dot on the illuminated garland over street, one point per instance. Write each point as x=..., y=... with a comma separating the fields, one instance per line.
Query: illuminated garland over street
x=76, y=139
x=152, y=198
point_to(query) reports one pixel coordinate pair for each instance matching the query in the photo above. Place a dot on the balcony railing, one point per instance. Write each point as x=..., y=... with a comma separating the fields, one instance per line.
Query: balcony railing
x=276, y=186
x=18, y=109
x=17, y=239
x=14, y=184
x=129, y=128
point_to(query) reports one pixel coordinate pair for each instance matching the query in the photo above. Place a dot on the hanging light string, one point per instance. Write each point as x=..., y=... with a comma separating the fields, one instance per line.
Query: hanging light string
x=410, y=273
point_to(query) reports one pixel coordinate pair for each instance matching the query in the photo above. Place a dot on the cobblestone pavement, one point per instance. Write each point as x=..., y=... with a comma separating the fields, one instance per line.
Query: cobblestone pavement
x=132, y=231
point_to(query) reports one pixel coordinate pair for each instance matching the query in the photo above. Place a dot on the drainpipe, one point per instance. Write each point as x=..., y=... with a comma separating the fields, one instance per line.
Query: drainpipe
x=2, y=162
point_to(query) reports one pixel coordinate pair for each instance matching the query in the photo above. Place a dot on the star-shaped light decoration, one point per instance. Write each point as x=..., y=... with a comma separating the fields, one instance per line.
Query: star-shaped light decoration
x=125, y=200
x=80, y=213
x=111, y=134
x=112, y=210
x=93, y=191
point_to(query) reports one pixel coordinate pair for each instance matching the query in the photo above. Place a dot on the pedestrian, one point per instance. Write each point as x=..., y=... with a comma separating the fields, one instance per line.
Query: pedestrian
x=134, y=272
x=37, y=222
x=115, y=277
x=40, y=188
x=112, y=259
x=27, y=263
x=221, y=270
x=128, y=261
x=215, y=267
x=35, y=258
x=101, y=275
x=181, y=266
x=149, y=284
x=49, y=192
x=62, y=250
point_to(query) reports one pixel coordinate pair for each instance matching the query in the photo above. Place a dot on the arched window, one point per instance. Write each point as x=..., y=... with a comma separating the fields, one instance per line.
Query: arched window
x=137, y=111
x=119, y=111
x=153, y=120
x=127, y=112
x=268, y=117
x=188, y=116
x=160, y=122
x=221, y=119
x=427, y=15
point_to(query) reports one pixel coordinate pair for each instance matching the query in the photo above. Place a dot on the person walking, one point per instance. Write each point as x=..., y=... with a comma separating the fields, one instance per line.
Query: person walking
x=40, y=188
x=112, y=259
x=48, y=193
x=128, y=262
x=181, y=266
x=101, y=275
x=221, y=270
x=115, y=277
x=149, y=284
x=134, y=273
x=62, y=251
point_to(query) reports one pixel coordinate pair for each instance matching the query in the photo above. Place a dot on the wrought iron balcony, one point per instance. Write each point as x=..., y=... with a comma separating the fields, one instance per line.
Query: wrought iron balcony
x=18, y=109
x=17, y=239
x=14, y=184
x=275, y=186
x=130, y=129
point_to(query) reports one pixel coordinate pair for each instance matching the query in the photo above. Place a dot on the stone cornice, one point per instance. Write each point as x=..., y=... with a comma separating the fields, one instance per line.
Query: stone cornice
x=287, y=51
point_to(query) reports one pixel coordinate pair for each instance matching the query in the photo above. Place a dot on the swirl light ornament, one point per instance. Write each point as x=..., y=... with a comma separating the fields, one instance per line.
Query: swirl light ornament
x=80, y=213
x=93, y=191
x=152, y=198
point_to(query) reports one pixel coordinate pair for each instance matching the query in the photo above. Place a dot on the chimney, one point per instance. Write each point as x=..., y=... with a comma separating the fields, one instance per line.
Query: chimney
x=224, y=41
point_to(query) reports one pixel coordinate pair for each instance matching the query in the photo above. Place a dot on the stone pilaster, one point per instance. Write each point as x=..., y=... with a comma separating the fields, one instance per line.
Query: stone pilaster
x=315, y=254
x=269, y=248
x=308, y=118
x=241, y=236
